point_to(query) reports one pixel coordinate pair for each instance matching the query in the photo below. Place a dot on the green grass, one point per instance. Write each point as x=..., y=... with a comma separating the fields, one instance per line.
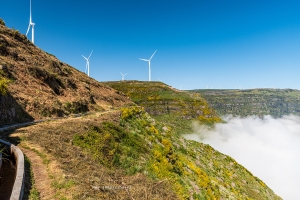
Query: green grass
x=34, y=194
x=140, y=144
x=113, y=146
x=167, y=105
x=180, y=126
x=62, y=185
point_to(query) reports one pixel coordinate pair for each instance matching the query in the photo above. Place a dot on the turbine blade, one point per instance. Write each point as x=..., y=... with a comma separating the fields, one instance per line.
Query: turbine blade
x=153, y=54
x=121, y=73
x=90, y=54
x=28, y=29
x=144, y=59
x=84, y=57
x=125, y=74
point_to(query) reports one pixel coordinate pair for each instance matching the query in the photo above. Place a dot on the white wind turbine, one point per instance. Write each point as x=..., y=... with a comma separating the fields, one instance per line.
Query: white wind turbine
x=149, y=64
x=32, y=25
x=87, y=63
x=123, y=75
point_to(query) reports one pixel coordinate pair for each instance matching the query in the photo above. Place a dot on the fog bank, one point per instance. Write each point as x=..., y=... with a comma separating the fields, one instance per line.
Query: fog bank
x=269, y=148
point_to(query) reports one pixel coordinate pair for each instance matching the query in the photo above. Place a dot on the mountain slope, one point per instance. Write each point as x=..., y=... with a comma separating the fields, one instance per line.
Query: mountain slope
x=120, y=153
x=42, y=86
x=166, y=104
x=130, y=149
x=274, y=102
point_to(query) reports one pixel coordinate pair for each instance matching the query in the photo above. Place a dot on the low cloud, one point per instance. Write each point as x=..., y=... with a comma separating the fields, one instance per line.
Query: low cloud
x=268, y=147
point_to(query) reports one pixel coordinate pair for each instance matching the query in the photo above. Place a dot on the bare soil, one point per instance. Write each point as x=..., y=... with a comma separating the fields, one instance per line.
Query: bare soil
x=40, y=174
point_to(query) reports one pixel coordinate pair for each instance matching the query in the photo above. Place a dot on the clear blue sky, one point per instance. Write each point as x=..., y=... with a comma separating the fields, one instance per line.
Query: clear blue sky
x=200, y=43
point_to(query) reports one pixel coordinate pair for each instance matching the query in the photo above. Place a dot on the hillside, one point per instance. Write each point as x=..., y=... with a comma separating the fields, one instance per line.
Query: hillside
x=274, y=102
x=128, y=149
x=41, y=86
x=168, y=105
x=118, y=151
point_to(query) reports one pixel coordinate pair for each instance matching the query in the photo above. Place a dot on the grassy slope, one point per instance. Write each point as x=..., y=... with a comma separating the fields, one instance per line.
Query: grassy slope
x=42, y=86
x=168, y=105
x=125, y=149
x=275, y=102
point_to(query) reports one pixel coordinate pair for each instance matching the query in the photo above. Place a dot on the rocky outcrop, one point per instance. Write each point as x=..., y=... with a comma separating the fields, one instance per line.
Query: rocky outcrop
x=11, y=111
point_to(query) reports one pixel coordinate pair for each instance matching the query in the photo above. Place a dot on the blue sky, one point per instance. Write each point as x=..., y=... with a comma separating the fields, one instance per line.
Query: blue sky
x=200, y=43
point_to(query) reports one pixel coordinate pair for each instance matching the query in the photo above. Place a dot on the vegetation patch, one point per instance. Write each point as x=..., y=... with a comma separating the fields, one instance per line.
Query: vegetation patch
x=92, y=172
x=139, y=144
x=34, y=194
x=3, y=83
x=2, y=22
x=168, y=105
x=113, y=146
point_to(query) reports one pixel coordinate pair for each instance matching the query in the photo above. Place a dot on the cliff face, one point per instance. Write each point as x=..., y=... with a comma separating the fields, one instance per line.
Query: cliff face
x=274, y=102
x=41, y=86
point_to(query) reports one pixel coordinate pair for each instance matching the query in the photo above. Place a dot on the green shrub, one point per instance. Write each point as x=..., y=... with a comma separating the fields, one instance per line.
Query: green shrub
x=3, y=85
x=113, y=146
x=2, y=22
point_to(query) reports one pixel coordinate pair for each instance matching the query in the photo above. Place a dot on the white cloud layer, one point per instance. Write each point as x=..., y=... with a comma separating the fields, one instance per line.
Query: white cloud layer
x=269, y=148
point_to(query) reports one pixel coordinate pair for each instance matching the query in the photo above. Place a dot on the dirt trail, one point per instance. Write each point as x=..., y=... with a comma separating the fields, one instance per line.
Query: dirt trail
x=41, y=176
x=42, y=171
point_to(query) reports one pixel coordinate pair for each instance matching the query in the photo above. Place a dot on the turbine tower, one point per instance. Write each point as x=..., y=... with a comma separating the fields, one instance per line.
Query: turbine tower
x=32, y=25
x=87, y=67
x=149, y=64
x=123, y=75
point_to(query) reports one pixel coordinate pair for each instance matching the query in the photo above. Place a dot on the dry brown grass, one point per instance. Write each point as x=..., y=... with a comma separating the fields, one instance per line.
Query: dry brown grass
x=43, y=86
x=78, y=175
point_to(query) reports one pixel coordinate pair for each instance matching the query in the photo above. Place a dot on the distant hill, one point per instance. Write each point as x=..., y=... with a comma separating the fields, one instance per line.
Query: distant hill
x=41, y=86
x=166, y=104
x=274, y=102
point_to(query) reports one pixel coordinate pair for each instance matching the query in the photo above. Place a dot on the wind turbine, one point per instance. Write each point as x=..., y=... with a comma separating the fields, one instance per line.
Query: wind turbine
x=32, y=25
x=123, y=75
x=149, y=64
x=87, y=63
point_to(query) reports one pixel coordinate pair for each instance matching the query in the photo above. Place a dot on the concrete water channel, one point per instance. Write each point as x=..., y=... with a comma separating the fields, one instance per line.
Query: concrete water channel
x=7, y=175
